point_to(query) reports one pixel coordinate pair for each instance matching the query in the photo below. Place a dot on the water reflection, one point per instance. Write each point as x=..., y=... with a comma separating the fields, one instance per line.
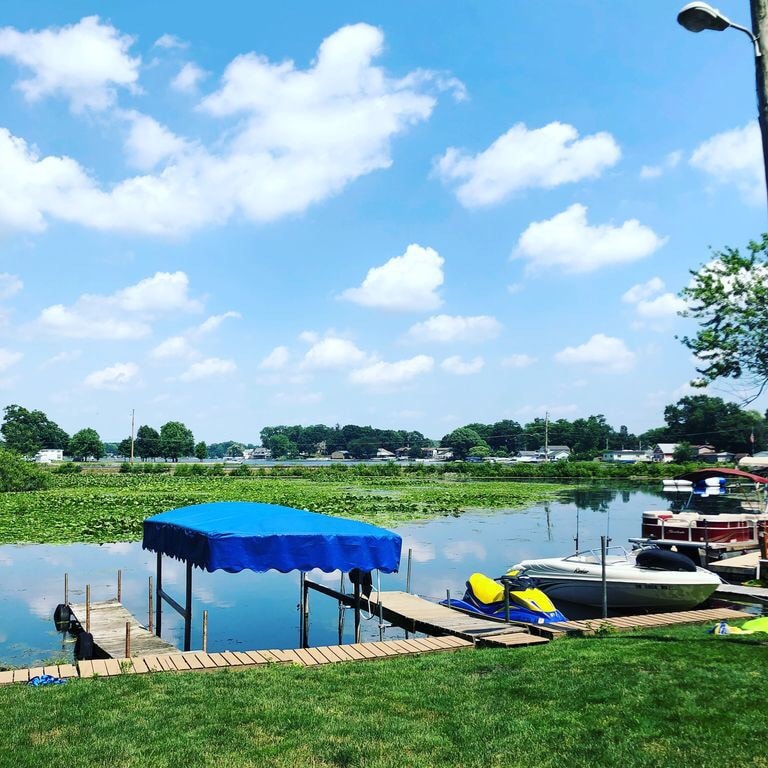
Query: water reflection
x=251, y=611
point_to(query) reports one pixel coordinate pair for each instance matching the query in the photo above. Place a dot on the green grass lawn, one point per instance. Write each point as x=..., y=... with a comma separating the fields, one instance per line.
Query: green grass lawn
x=661, y=698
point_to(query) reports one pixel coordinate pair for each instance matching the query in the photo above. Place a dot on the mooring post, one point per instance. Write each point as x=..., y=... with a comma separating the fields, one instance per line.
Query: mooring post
x=119, y=586
x=149, y=602
x=188, y=609
x=87, y=607
x=127, y=639
x=341, y=610
x=304, y=610
x=66, y=589
x=357, y=610
x=158, y=596
x=381, y=607
x=408, y=572
x=205, y=631
x=603, y=576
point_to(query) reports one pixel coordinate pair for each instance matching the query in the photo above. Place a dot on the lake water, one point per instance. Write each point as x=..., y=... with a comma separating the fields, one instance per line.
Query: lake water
x=248, y=611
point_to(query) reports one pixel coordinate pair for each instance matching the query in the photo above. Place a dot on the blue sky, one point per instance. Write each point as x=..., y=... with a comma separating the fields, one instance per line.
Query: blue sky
x=413, y=215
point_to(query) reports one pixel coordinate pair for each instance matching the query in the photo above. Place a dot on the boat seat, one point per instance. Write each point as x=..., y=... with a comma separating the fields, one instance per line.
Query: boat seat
x=485, y=590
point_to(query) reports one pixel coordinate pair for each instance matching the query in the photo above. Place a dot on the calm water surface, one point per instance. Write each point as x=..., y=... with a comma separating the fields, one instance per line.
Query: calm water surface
x=251, y=611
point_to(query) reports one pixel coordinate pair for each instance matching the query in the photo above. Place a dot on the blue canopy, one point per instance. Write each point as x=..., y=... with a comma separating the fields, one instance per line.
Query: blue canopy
x=238, y=535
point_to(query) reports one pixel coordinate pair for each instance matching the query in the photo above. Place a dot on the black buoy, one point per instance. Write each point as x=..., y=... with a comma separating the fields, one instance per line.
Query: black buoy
x=62, y=617
x=84, y=646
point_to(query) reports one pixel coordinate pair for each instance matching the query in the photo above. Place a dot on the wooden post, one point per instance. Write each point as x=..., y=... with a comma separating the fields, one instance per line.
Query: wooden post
x=66, y=589
x=357, y=611
x=127, y=639
x=119, y=586
x=150, y=612
x=158, y=598
x=604, y=579
x=87, y=607
x=408, y=572
x=205, y=631
x=188, y=609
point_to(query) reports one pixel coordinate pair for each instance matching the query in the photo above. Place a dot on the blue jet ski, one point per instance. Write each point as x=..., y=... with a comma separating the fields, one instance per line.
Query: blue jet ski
x=527, y=604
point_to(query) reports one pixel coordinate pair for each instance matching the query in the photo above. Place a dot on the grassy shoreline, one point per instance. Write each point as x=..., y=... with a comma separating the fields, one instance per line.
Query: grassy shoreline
x=101, y=508
x=659, y=698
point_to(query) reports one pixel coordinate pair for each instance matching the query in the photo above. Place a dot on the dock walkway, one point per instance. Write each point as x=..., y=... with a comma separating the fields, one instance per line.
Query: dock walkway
x=649, y=621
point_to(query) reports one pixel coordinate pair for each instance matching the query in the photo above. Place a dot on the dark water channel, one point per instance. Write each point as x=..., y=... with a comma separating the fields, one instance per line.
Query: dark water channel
x=251, y=611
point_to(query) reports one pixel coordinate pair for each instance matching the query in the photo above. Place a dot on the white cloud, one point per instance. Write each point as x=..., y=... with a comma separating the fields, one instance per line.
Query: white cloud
x=67, y=356
x=211, y=366
x=672, y=160
x=518, y=361
x=642, y=291
x=735, y=157
x=169, y=41
x=332, y=352
x=567, y=242
x=149, y=143
x=83, y=62
x=459, y=367
x=118, y=376
x=173, y=347
x=214, y=321
x=10, y=285
x=9, y=358
x=309, y=337
x=453, y=328
x=188, y=77
x=601, y=352
x=126, y=314
x=276, y=360
x=523, y=159
x=404, y=283
x=381, y=375
x=653, y=305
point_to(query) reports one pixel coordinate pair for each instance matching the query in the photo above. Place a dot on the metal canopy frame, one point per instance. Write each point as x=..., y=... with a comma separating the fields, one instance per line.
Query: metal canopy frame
x=185, y=612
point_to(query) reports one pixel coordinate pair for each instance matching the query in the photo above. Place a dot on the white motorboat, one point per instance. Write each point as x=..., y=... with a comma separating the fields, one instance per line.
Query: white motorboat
x=647, y=579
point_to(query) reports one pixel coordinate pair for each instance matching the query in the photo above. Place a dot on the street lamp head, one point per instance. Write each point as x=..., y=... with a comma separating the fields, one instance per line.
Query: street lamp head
x=696, y=17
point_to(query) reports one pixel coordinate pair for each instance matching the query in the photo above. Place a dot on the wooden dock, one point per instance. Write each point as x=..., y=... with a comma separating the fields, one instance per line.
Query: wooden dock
x=742, y=594
x=741, y=567
x=108, y=627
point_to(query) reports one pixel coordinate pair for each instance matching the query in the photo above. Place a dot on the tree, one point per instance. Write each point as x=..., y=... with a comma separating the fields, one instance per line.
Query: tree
x=147, y=445
x=728, y=296
x=124, y=447
x=176, y=440
x=683, y=453
x=461, y=440
x=281, y=447
x=26, y=432
x=86, y=444
x=480, y=451
x=19, y=475
x=201, y=451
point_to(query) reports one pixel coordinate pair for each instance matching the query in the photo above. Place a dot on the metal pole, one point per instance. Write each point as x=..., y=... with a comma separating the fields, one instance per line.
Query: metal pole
x=759, y=10
x=188, y=609
x=341, y=610
x=87, y=607
x=66, y=589
x=408, y=572
x=150, y=612
x=158, y=597
x=448, y=596
x=127, y=639
x=357, y=611
x=381, y=607
x=133, y=413
x=603, y=576
x=304, y=611
x=506, y=601
x=205, y=631
x=119, y=586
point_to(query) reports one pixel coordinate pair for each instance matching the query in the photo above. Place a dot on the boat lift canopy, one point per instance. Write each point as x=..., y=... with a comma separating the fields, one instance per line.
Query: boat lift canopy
x=234, y=536
x=703, y=474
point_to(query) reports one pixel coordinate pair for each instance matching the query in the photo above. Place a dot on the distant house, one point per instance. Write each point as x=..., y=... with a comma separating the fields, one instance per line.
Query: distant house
x=627, y=456
x=664, y=452
x=382, y=454
x=719, y=457
x=528, y=457
x=48, y=455
x=702, y=451
x=259, y=453
x=554, y=453
x=437, y=454
x=341, y=455
x=402, y=453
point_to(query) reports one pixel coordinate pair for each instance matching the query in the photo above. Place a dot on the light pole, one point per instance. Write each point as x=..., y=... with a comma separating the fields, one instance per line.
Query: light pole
x=696, y=17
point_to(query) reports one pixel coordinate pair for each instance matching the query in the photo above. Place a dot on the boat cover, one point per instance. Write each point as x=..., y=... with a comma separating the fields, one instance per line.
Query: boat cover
x=703, y=474
x=238, y=535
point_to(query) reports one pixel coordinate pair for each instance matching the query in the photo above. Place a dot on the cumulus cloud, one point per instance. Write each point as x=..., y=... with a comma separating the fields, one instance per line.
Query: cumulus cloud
x=454, y=328
x=382, y=375
x=188, y=77
x=10, y=285
x=84, y=62
x=734, y=157
x=214, y=322
x=652, y=304
x=518, y=361
x=168, y=42
x=601, y=352
x=173, y=347
x=149, y=143
x=664, y=306
x=404, y=283
x=332, y=352
x=125, y=314
x=300, y=136
x=672, y=160
x=276, y=360
x=460, y=367
x=211, y=366
x=643, y=291
x=9, y=358
x=118, y=376
x=523, y=159
x=567, y=242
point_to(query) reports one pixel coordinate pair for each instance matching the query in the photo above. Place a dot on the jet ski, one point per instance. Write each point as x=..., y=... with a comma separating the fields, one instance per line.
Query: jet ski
x=485, y=597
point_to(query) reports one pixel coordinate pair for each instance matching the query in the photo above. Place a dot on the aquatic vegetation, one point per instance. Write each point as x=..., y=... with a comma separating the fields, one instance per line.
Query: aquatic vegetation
x=111, y=507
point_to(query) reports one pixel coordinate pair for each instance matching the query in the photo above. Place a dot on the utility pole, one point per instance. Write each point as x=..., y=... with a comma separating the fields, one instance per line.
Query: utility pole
x=760, y=31
x=133, y=414
x=546, y=436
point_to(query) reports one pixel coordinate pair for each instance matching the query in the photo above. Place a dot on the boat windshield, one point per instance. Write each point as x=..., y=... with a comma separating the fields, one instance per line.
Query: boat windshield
x=614, y=554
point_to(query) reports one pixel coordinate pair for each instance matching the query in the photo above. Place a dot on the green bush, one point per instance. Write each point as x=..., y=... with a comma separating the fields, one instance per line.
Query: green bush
x=241, y=470
x=68, y=468
x=16, y=474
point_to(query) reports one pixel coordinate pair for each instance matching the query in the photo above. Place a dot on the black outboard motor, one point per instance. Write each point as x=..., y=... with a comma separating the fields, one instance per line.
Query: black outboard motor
x=664, y=560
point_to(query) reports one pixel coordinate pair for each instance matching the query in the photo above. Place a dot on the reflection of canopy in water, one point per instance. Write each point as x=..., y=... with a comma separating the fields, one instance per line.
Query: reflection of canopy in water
x=235, y=536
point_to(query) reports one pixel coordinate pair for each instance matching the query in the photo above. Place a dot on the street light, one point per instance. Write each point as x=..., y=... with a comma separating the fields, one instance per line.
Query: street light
x=696, y=17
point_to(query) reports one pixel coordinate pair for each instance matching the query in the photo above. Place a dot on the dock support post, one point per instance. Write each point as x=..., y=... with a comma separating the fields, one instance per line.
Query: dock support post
x=87, y=607
x=158, y=597
x=119, y=586
x=341, y=610
x=357, y=610
x=303, y=611
x=188, y=609
x=603, y=576
x=127, y=639
x=408, y=572
x=149, y=602
x=205, y=631
x=66, y=589
x=381, y=607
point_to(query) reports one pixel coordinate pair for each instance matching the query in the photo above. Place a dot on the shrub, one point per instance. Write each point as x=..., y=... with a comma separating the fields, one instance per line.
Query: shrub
x=16, y=474
x=68, y=468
